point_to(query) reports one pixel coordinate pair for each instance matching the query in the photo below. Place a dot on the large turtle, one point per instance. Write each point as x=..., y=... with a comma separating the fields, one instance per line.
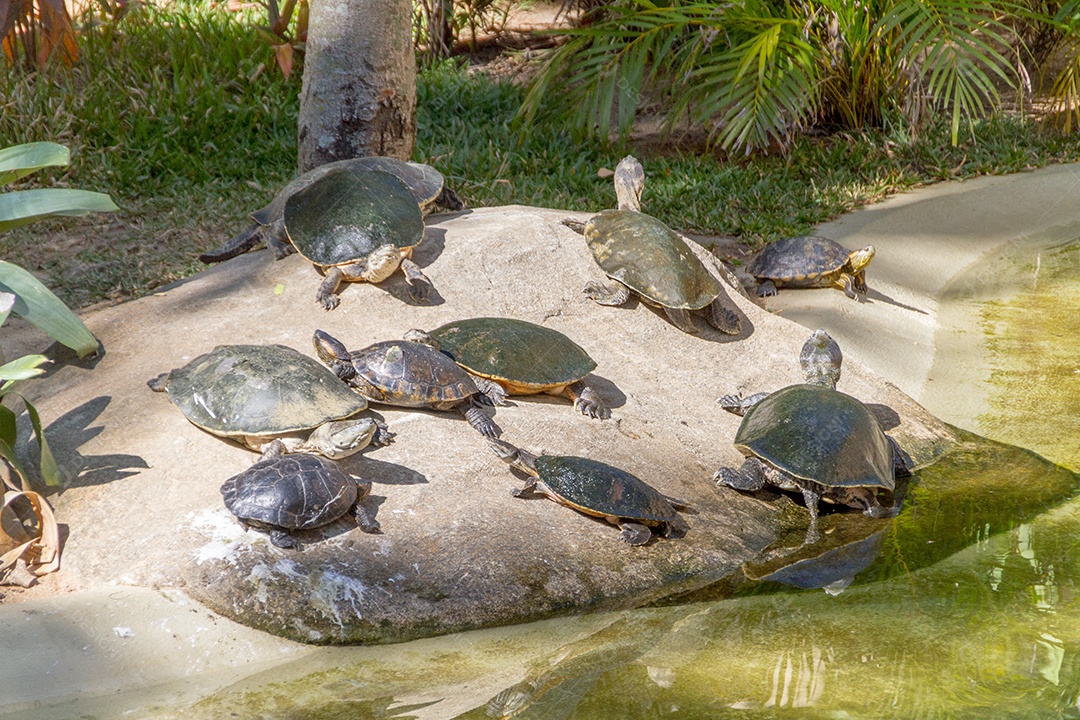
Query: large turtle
x=814, y=439
x=596, y=489
x=810, y=261
x=427, y=185
x=282, y=494
x=514, y=357
x=256, y=394
x=358, y=227
x=406, y=374
x=643, y=255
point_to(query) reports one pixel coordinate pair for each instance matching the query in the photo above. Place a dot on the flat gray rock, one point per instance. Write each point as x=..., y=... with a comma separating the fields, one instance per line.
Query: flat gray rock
x=142, y=505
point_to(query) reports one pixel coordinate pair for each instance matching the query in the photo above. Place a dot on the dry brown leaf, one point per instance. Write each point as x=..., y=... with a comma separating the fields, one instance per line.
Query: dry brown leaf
x=28, y=545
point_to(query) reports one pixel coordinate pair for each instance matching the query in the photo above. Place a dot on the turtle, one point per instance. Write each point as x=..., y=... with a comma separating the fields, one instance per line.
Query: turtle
x=427, y=185
x=810, y=261
x=813, y=438
x=282, y=494
x=515, y=357
x=406, y=374
x=597, y=489
x=645, y=256
x=256, y=394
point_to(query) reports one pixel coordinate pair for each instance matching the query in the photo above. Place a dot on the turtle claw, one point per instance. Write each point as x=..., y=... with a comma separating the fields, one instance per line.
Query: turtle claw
x=419, y=291
x=382, y=436
x=635, y=534
x=329, y=302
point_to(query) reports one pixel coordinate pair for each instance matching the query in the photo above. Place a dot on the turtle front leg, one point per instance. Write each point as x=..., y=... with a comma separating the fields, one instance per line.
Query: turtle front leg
x=847, y=284
x=750, y=476
x=811, y=497
x=860, y=282
x=490, y=391
x=767, y=288
x=634, y=533
x=738, y=405
x=723, y=317
x=283, y=539
x=681, y=318
x=478, y=418
x=327, y=293
x=614, y=294
x=586, y=400
x=365, y=518
x=419, y=285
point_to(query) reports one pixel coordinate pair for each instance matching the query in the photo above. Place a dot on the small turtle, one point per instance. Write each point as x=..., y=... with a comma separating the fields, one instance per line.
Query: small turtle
x=406, y=374
x=285, y=493
x=426, y=184
x=514, y=357
x=256, y=394
x=643, y=255
x=813, y=438
x=596, y=489
x=810, y=261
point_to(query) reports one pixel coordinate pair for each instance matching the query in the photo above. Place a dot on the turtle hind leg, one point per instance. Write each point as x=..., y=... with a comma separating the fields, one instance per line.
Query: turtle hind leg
x=449, y=200
x=634, y=533
x=491, y=392
x=283, y=539
x=681, y=318
x=420, y=286
x=767, y=288
x=365, y=519
x=811, y=498
x=614, y=294
x=586, y=400
x=723, y=317
x=750, y=476
x=479, y=419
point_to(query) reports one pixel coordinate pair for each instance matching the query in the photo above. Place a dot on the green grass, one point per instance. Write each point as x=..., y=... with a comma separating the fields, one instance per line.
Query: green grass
x=182, y=117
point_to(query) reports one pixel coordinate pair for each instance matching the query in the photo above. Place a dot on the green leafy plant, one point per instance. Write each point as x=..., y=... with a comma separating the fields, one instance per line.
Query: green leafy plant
x=758, y=72
x=25, y=295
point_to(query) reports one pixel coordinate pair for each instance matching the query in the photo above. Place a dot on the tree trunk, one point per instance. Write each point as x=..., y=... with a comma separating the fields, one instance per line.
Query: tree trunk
x=359, y=88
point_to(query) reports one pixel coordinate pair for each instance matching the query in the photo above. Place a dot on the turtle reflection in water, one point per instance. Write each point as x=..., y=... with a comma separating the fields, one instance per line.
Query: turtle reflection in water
x=596, y=489
x=643, y=255
x=813, y=438
x=282, y=494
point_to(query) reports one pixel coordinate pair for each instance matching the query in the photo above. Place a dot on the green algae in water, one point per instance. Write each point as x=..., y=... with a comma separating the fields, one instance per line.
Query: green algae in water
x=971, y=610
x=1033, y=342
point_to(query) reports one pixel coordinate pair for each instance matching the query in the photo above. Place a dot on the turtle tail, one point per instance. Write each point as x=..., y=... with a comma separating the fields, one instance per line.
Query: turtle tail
x=236, y=245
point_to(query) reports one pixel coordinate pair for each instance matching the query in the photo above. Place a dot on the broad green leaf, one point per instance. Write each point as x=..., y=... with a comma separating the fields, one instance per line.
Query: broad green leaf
x=49, y=471
x=23, y=368
x=19, y=160
x=26, y=206
x=37, y=304
x=8, y=426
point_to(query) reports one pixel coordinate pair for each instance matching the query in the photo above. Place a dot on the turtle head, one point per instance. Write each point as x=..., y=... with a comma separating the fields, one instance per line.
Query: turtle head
x=333, y=354
x=341, y=438
x=629, y=182
x=419, y=336
x=820, y=360
x=513, y=456
x=381, y=263
x=861, y=258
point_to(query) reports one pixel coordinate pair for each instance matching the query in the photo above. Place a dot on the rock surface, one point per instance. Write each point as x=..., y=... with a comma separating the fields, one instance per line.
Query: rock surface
x=141, y=499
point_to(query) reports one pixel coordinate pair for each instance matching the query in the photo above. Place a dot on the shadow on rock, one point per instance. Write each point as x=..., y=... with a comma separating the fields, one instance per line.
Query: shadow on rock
x=66, y=435
x=379, y=472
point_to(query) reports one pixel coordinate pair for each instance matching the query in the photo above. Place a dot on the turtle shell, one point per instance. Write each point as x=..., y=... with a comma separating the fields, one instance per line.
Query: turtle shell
x=650, y=258
x=423, y=181
x=598, y=489
x=807, y=260
x=515, y=351
x=341, y=217
x=259, y=390
x=292, y=492
x=410, y=374
x=819, y=434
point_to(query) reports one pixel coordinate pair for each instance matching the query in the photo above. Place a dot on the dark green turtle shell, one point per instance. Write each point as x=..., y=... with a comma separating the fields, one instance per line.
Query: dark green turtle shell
x=259, y=390
x=514, y=350
x=411, y=374
x=598, y=489
x=819, y=434
x=807, y=259
x=650, y=258
x=292, y=492
x=341, y=217
x=424, y=182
